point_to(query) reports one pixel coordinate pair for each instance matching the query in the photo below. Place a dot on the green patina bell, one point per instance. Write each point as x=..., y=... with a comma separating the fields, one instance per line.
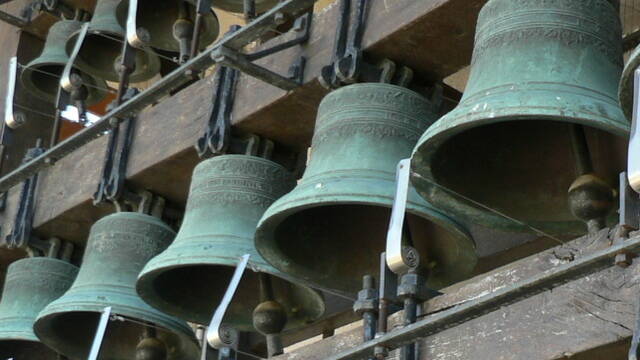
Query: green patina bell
x=539, y=68
x=41, y=76
x=118, y=248
x=228, y=196
x=237, y=6
x=163, y=18
x=330, y=230
x=102, y=47
x=30, y=285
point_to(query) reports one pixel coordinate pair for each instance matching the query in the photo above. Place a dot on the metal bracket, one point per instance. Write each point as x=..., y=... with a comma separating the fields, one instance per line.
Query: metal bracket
x=136, y=37
x=12, y=118
x=348, y=65
x=100, y=331
x=218, y=335
x=245, y=62
x=633, y=164
x=202, y=8
x=111, y=185
x=400, y=258
x=20, y=236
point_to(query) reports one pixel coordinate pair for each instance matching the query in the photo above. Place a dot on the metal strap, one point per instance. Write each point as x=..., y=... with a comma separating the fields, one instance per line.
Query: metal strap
x=102, y=328
x=634, y=141
x=11, y=118
x=214, y=331
x=65, y=81
x=395, y=252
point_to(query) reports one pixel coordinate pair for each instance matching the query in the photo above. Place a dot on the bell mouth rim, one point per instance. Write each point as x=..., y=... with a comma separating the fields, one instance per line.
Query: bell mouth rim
x=266, y=242
x=146, y=290
x=41, y=326
x=152, y=60
x=625, y=89
x=98, y=86
x=41, y=346
x=451, y=125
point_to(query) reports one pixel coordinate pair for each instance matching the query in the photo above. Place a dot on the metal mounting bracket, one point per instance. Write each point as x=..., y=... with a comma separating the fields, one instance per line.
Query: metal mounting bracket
x=20, y=236
x=245, y=62
x=633, y=163
x=111, y=185
x=348, y=65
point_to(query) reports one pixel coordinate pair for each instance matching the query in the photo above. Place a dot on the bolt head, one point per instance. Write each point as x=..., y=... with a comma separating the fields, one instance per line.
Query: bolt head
x=624, y=260
x=279, y=18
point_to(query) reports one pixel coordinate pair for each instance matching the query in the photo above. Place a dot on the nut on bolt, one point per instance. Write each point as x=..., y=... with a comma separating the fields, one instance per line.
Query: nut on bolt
x=412, y=285
x=279, y=18
x=624, y=260
x=367, y=297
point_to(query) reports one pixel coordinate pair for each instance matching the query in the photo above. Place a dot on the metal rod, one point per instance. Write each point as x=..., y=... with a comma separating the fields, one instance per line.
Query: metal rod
x=408, y=352
x=172, y=81
x=249, y=9
x=580, y=149
x=240, y=62
x=195, y=39
x=266, y=287
x=475, y=308
x=13, y=20
x=55, y=132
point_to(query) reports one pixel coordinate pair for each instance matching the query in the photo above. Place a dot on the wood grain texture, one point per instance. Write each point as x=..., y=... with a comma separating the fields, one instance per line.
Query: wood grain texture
x=591, y=318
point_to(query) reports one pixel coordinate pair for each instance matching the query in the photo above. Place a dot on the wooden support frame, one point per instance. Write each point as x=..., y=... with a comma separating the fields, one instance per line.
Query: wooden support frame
x=590, y=318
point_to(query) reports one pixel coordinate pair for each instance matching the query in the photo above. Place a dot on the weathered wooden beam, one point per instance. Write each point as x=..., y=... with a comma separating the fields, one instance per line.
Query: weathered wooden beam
x=582, y=319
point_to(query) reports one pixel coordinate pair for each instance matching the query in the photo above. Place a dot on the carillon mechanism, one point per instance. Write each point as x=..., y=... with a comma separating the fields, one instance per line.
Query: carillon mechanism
x=30, y=285
x=228, y=195
x=342, y=204
x=118, y=247
x=42, y=75
x=102, y=48
x=505, y=152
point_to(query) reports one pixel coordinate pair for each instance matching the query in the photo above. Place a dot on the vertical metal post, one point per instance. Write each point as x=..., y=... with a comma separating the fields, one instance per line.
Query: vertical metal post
x=97, y=340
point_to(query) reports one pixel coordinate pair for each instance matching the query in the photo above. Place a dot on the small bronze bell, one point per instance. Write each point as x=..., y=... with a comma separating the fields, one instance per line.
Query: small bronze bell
x=228, y=195
x=163, y=19
x=330, y=230
x=118, y=248
x=41, y=76
x=539, y=69
x=30, y=285
x=102, y=47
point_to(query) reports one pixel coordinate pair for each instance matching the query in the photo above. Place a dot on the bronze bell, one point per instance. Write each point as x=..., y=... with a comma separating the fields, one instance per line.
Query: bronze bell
x=228, y=195
x=166, y=20
x=102, y=47
x=30, y=285
x=118, y=248
x=330, y=230
x=539, y=135
x=41, y=76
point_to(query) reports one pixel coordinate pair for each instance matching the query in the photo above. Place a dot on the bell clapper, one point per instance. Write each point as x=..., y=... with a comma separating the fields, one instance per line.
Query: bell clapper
x=269, y=317
x=590, y=198
x=150, y=347
x=183, y=32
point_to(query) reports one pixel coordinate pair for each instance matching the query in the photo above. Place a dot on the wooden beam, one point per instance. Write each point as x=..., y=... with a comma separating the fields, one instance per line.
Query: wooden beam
x=583, y=319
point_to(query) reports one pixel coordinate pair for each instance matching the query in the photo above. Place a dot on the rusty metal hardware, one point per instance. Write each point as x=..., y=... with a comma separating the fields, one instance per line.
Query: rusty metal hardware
x=20, y=236
x=114, y=170
x=245, y=62
x=367, y=306
x=348, y=65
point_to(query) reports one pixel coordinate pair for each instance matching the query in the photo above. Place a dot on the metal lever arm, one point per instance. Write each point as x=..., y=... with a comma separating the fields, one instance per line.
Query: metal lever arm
x=216, y=336
x=401, y=259
x=13, y=119
x=634, y=141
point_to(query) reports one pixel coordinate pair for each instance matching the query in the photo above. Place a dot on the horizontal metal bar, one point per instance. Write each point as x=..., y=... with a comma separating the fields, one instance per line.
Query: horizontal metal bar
x=238, y=61
x=235, y=41
x=472, y=309
x=13, y=20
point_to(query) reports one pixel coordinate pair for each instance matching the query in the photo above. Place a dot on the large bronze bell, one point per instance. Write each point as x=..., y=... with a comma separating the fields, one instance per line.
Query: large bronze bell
x=118, y=248
x=330, y=230
x=543, y=78
x=102, y=47
x=30, y=285
x=41, y=76
x=228, y=196
x=161, y=18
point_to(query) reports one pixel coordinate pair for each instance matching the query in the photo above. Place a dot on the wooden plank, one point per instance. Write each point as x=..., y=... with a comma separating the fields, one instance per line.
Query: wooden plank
x=591, y=318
